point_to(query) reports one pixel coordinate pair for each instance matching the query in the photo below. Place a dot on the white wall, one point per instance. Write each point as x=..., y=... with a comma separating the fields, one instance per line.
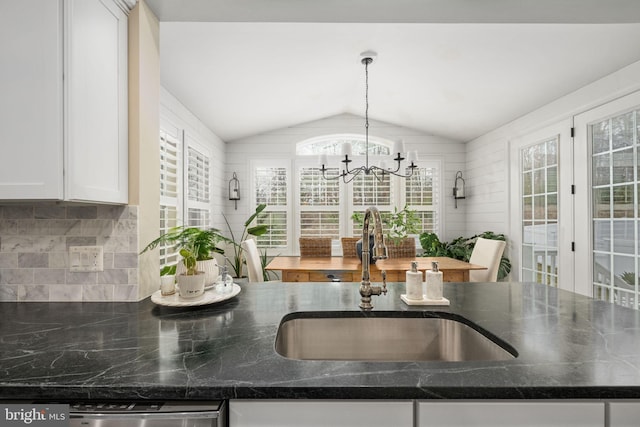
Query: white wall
x=487, y=167
x=281, y=144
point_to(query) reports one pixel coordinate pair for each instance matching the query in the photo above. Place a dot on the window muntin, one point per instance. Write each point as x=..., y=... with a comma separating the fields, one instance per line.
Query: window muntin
x=615, y=160
x=539, y=179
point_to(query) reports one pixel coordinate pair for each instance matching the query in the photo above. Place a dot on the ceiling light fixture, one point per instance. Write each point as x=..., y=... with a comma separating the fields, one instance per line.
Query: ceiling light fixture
x=347, y=174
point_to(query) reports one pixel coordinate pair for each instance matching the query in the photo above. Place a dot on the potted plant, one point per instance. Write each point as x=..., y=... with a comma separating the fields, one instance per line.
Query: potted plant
x=398, y=225
x=461, y=248
x=237, y=259
x=190, y=282
x=201, y=243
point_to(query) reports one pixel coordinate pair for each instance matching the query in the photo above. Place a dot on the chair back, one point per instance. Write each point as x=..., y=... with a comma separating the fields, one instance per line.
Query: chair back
x=405, y=248
x=315, y=246
x=349, y=246
x=252, y=256
x=487, y=253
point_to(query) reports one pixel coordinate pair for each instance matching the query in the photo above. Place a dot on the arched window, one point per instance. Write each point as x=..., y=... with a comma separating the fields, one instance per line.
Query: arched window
x=332, y=145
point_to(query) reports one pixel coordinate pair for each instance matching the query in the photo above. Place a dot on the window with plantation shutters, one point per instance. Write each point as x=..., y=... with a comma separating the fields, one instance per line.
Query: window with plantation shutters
x=324, y=208
x=170, y=184
x=421, y=192
x=270, y=187
x=319, y=204
x=185, y=184
x=198, y=183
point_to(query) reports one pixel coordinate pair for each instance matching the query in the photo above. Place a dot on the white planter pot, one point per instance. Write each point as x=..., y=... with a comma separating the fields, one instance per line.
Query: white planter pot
x=208, y=267
x=191, y=286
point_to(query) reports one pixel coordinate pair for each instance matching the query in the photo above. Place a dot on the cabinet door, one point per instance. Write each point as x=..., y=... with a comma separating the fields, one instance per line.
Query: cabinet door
x=31, y=99
x=297, y=413
x=511, y=414
x=624, y=413
x=96, y=101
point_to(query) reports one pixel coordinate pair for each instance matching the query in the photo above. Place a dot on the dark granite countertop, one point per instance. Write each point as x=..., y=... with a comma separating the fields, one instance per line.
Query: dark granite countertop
x=569, y=347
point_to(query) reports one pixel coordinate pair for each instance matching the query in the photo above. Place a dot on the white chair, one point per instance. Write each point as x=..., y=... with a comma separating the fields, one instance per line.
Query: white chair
x=254, y=264
x=252, y=256
x=487, y=253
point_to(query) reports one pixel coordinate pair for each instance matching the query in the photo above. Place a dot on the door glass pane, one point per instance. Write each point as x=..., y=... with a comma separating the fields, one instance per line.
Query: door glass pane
x=602, y=202
x=623, y=166
x=622, y=131
x=615, y=190
x=540, y=204
x=601, y=169
x=602, y=236
x=600, y=137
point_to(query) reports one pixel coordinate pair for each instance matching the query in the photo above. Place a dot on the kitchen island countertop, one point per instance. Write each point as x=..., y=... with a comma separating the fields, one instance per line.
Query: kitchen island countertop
x=569, y=346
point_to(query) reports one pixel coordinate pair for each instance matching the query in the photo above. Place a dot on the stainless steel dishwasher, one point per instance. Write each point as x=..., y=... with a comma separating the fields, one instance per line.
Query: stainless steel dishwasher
x=148, y=414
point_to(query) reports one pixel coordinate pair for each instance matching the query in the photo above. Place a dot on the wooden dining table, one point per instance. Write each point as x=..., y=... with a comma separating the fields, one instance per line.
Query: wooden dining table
x=345, y=269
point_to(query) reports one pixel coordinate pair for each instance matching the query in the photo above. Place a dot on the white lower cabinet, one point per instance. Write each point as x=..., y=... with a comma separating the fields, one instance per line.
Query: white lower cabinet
x=511, y=414
x=624, y=413
x=317, y=413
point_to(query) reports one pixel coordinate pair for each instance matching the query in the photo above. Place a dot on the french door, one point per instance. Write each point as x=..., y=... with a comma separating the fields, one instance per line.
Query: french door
x=607, y=156
x=542, y=207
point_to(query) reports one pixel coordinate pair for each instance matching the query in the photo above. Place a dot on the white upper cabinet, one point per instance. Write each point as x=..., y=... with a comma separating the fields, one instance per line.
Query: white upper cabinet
x=64, y=105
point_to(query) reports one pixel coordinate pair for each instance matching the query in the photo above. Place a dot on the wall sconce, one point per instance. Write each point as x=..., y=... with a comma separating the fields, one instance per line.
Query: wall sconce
x=458, y=188
x=234, y=189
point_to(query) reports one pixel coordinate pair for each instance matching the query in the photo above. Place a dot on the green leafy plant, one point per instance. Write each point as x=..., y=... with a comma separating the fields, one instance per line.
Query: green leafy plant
x=401, y=223
x=237, y=260
x=168, y=270
x=629, y=277
x=397, y=224
x=189, y=261
x=201, y=242
x=193, y=244
x=461, y=248
x=266, y=274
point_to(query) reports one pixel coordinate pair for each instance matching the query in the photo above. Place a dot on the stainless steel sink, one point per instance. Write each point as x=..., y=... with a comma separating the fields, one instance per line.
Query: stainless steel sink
x=390, y=336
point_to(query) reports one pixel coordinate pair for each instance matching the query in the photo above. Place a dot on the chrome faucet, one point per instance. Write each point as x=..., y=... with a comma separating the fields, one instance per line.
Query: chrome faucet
x=380, y=252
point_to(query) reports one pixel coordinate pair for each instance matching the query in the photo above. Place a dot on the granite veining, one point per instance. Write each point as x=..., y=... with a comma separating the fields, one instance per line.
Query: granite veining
x=568, y=346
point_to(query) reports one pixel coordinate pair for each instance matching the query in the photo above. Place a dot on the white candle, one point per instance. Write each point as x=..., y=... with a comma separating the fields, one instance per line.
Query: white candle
x=398, y=147
x=324, y=160
x=383, y=165
x=346, y=149
x=412, y=157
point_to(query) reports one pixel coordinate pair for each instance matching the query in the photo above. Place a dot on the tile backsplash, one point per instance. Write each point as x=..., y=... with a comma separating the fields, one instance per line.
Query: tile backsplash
x=34, y=252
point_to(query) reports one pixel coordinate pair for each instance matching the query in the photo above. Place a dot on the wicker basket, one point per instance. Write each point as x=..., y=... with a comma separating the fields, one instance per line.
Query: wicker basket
x=315, y=246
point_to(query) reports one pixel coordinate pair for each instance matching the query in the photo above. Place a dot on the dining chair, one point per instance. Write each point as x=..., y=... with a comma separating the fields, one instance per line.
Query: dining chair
x=252, y=257
x=487, y=253
x=405, y=248
x=349, y=247
x=315, y=246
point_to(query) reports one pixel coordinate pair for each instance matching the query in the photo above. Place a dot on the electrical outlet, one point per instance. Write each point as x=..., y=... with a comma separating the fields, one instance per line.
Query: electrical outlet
x=85, y=258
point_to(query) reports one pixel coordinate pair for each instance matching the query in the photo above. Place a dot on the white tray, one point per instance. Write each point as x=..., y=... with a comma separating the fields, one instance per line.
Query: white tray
x=208, y=297
x=424, y=301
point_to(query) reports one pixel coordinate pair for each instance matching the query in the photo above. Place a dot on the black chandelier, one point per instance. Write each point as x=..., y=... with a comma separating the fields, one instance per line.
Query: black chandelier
x=347, y=174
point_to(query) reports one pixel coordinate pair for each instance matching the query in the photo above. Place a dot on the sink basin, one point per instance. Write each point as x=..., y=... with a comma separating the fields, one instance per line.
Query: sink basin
x=387, y=336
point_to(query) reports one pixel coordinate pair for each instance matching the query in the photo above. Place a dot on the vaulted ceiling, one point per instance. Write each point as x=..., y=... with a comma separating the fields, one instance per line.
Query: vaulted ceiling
x=454, y=68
